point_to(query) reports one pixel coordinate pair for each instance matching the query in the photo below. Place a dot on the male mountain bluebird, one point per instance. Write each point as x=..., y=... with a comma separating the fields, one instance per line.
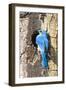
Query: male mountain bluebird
x=42, y=42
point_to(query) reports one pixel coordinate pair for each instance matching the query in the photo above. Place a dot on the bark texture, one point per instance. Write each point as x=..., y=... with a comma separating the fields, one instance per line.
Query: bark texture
x=28, y=24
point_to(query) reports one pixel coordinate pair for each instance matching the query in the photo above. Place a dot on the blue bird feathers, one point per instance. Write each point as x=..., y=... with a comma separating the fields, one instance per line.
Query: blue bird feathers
x=42, y=42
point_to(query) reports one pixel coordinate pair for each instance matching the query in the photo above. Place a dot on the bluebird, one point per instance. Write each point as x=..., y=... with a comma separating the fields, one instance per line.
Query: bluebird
x=42, y=42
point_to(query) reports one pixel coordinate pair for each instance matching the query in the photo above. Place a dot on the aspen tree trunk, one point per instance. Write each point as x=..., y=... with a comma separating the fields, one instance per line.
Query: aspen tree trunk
x=28, y=25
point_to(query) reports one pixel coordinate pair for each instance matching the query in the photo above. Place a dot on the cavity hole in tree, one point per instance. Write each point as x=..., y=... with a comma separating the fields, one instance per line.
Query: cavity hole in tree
x=35, y=33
